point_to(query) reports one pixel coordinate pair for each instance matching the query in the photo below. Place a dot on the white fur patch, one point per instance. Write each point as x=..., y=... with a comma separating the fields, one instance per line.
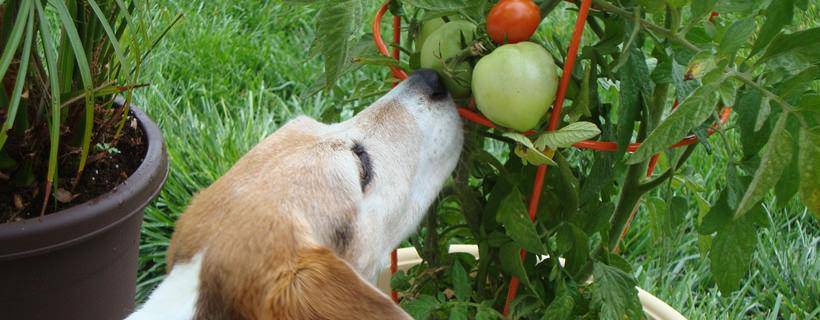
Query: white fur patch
x=175, y=298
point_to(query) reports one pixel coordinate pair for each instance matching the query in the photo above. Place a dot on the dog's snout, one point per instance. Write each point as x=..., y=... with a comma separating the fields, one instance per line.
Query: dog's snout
x=430, y=79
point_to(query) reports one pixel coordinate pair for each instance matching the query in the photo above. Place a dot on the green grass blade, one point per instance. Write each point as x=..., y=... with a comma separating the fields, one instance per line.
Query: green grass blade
x=14, y=38
x=85, y=73
x=21, y=78
x=54, y=125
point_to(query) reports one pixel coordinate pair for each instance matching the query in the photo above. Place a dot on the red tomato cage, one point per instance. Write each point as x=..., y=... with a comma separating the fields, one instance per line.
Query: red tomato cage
x=554, y=119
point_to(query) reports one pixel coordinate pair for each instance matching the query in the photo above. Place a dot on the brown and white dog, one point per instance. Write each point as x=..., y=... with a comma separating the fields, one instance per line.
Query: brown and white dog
x=301, y=226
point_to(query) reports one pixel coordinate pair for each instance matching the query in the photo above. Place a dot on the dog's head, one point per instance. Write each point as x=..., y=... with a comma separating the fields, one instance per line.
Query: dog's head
x=357, y=187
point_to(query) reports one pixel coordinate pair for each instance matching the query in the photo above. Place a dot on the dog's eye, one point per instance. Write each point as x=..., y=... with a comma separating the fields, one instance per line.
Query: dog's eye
x=365, y=167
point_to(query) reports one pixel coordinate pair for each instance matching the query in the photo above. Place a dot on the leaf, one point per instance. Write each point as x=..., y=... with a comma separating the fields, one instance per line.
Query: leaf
x=510, y=257
x=567, y=136
x=581, y=104
x=461, y=282
x=458, y=312
x=786, y=42
x=13, y=41
x=719, y=214
x=808, y=160
x=763, y=114
x=400, y=281
x=736, y=36
x=778, y=15
x=85, y=74
x=634, y=92
x=701, y=8
x=19, y=83
x=574, y=245
x=54, y=86
x=486, y=313
x=527, y=151
x=731, y=254
x=690, y=114
x=789, y=182
x=513, y=215
x=560, y=308
x=421, y=307
x=747, y=107
x=338, y=22
x=441, y=5
x=775, y=158
x=614, y=293
x=798, y=84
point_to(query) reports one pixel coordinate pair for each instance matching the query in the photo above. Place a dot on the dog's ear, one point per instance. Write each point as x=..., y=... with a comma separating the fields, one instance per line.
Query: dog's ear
x=323, y=286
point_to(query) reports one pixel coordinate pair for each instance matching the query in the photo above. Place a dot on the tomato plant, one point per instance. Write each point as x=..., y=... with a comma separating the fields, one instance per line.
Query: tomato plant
x=515, y=85
x=647, y=71
x=511, y=21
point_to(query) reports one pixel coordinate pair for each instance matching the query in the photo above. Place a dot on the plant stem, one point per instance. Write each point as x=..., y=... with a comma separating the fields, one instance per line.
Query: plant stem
x=629, y=198
x=771, y=95
x=431, y=239
x=666, y=33
x=745, y=79
x=652, y=184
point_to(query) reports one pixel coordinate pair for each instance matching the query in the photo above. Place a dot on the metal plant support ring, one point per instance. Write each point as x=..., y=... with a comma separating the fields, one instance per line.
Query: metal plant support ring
x=555, y=116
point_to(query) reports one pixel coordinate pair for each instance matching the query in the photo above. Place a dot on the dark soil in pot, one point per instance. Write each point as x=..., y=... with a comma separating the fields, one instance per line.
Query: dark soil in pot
x=81, y=262
x=21, y=195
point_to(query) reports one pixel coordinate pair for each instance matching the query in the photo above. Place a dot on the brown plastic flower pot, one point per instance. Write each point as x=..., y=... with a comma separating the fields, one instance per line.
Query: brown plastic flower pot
x=81, y=262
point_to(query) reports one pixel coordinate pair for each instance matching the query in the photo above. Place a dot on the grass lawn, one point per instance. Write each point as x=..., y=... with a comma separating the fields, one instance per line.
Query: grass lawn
x=231, y=72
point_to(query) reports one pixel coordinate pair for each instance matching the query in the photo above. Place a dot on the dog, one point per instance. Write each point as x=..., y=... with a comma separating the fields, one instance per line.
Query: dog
x=301, y=225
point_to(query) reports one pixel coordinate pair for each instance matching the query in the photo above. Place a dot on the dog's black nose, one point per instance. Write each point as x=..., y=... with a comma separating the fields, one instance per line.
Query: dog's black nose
x=431, y=79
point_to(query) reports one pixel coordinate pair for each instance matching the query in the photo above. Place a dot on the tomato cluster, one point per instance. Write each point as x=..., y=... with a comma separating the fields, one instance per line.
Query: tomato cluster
x=514, y=84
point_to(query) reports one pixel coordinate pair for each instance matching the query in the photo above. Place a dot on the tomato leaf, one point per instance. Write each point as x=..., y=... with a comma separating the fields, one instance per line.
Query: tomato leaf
x=441, y=5
x=752, y=138
x=510, y=259
x=736, y=36
x=634, y=92
x=808, y=160
x=560, y=308
x=614, y=293
x=400, y=281
x=513, y=215
x=421, y=307
x=567, y=136
x=527, y=151
x=731, y=254
x=461, y=282
x=778, y=15
x=691, y=113
x=458, y=312
x=775, y=158
x=786, y=42
x=339, y=22
x=701, y=8
x=789, y=182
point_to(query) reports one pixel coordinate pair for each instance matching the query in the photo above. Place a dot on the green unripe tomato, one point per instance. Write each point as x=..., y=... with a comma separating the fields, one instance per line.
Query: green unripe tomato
x=427, y=28
x=430, y=26
x=515, y=85
x=443, y=44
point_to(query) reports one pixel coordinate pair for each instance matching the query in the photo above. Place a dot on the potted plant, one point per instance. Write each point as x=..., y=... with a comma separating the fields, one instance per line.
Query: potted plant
x=78, y=162
x=646, y=75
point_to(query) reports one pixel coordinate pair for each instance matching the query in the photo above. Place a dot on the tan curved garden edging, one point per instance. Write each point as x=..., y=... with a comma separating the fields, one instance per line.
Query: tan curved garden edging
x=653, y=307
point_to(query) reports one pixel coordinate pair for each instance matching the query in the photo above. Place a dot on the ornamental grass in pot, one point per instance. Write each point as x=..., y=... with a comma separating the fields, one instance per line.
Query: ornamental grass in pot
x=78, y=163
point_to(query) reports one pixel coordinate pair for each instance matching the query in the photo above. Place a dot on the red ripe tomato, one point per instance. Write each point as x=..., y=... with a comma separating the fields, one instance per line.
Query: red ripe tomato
x=512, y=21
